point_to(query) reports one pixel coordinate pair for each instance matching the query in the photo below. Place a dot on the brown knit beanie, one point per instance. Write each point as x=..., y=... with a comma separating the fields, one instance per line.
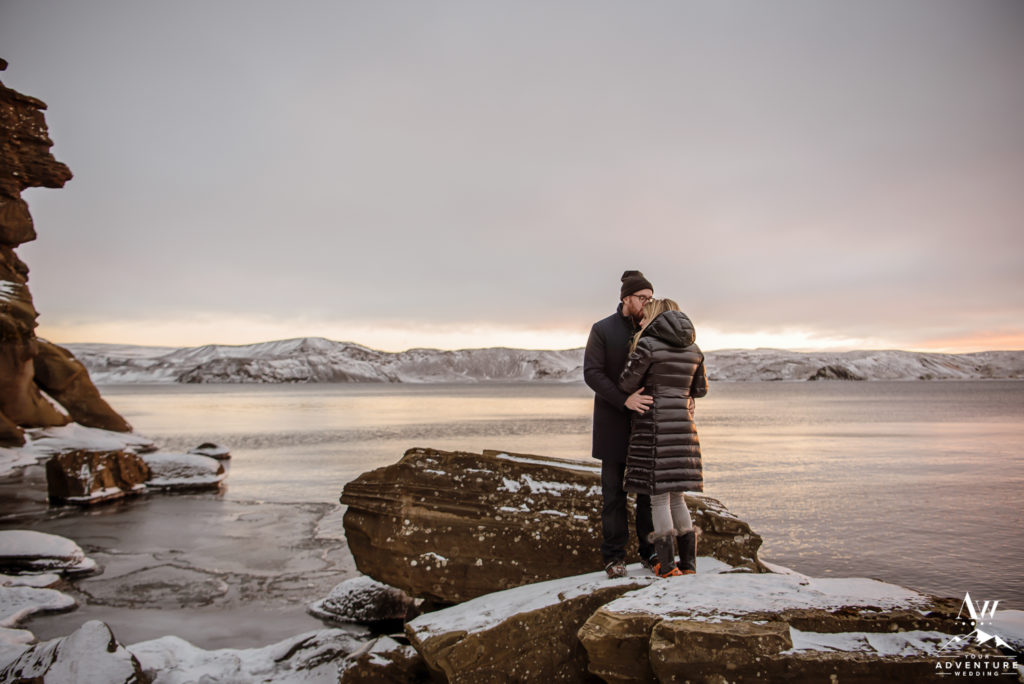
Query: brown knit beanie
x=634, y=281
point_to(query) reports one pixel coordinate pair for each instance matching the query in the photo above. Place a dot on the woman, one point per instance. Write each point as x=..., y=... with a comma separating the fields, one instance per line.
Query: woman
x=663, y=459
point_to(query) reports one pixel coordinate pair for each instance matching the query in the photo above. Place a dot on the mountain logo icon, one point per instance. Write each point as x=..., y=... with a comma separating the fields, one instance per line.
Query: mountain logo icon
x=978, y=618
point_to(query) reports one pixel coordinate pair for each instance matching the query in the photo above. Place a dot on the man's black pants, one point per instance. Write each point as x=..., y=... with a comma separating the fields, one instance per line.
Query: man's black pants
x=614, y=525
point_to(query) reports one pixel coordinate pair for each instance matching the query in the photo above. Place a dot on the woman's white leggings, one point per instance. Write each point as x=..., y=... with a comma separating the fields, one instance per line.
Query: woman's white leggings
x=670, y=515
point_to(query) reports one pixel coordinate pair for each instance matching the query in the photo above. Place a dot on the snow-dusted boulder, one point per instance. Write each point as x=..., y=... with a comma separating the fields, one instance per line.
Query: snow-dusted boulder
x=21, y=597
x=309, y=657
x=183, y=471
x=450, y=526
x=212, y=450
x=365, y=600
x=526, y=634
x=89, y=477
x=28, y=551
x=769, y=627
x=90, y=654
x=384, y=661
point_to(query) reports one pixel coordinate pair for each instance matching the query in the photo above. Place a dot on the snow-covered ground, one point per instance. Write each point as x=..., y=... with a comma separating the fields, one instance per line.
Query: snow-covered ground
x=321, y=360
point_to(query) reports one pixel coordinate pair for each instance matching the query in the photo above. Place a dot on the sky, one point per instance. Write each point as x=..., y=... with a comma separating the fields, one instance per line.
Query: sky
x=813, y=174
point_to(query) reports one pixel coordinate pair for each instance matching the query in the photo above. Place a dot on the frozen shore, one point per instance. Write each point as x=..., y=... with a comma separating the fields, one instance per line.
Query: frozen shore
x=198, y=586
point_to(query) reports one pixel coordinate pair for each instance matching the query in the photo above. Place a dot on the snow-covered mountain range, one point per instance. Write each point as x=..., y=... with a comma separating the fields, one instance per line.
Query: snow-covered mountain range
x=321, y=360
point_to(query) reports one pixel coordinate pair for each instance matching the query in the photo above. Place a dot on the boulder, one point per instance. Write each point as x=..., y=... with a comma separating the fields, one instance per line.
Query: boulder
x=385, y=661
x=60, y=375
x=769, y=627
x=90, y=654
x=31, y=552
x=526, y=634
x=451, y=526
x=183, y=471
x=212, y=450
x=309, y=657
x=363, y=600
x=89, y=477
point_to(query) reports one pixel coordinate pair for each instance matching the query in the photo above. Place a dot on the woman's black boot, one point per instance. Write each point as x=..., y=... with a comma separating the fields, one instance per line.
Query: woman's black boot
x=666, y=566
x=687, y=552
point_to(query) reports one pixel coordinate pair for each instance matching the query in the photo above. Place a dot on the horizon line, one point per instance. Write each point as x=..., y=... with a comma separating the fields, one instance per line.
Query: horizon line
x=804, y=350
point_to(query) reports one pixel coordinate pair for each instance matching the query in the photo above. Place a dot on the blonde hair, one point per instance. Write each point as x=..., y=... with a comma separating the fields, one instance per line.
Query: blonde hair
x=652, y=309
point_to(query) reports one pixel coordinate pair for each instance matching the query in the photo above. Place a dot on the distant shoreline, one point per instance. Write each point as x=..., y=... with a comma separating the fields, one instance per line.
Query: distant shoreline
x=318, y=360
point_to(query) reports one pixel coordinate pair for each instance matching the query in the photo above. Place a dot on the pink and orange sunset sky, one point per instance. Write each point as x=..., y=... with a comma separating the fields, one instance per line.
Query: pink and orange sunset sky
x=797, y=174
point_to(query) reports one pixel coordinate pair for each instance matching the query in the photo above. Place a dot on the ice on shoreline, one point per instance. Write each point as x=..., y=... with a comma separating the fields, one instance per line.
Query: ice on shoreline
x=41, y=443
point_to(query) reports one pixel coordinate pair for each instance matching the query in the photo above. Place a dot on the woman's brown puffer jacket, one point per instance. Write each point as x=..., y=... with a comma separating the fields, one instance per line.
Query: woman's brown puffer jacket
x=664, y=453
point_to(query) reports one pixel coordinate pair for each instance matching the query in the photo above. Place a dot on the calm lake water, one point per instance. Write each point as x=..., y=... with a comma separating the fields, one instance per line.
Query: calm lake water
x=916, y=483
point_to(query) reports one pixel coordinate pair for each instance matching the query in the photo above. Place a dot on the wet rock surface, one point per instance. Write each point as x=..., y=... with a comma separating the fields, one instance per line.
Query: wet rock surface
x=450, y=526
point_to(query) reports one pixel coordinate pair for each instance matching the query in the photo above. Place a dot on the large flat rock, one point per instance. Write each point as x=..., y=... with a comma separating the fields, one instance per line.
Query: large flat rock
x=525, y=634
x=769, y=627
x=451, y=526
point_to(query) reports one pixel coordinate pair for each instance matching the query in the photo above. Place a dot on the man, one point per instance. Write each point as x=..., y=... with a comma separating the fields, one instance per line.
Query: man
x=605, y=356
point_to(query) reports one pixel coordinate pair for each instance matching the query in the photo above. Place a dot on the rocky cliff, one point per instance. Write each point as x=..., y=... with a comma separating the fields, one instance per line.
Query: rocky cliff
x=29, y=366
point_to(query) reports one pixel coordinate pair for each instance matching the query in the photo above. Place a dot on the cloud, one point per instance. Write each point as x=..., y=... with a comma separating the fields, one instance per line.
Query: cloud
x=848, y=171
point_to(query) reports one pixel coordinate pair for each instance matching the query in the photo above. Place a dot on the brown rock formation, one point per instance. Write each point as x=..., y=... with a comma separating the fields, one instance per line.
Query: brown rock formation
x=87, y=477
x=61, y=376
x=26, y=162
x=10, y=434
x=450, y=526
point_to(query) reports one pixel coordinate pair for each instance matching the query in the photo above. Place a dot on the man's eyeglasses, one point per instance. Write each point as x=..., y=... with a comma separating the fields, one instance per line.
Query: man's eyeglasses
x=643, y=298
